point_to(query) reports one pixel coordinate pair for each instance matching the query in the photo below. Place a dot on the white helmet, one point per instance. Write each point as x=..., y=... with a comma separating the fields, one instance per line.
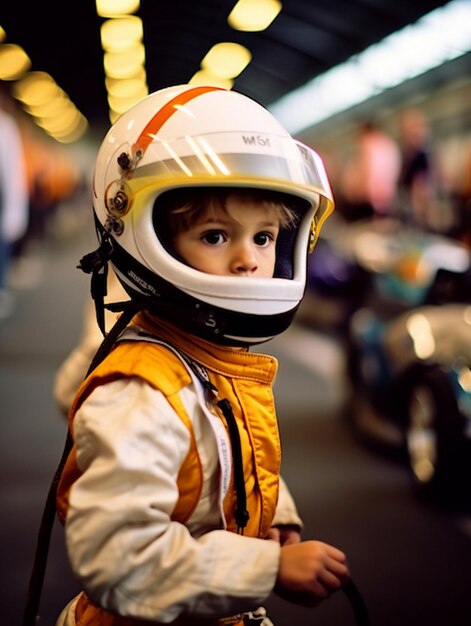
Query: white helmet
x=188, y=136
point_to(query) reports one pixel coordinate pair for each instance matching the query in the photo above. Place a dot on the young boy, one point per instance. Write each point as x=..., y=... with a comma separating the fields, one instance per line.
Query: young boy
x=172, y=501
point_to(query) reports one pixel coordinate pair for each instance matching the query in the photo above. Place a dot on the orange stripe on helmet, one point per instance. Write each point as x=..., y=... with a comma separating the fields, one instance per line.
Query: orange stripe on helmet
x=153, y=126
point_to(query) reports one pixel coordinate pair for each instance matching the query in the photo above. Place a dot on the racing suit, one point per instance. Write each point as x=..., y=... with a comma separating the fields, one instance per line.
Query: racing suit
x=147, y=495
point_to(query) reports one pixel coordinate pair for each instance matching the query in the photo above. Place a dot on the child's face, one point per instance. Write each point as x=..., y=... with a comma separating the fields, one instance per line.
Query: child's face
x=238, y=241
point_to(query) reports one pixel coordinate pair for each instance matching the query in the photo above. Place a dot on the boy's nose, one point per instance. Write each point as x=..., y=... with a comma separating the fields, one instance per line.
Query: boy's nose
x=244, y=260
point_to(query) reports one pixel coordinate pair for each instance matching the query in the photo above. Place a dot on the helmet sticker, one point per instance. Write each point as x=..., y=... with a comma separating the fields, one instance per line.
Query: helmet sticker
x=172, y=106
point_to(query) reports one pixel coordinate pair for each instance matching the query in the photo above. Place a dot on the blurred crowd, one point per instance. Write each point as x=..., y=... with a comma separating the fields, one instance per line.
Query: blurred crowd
x=406, y=174
x=37, y=177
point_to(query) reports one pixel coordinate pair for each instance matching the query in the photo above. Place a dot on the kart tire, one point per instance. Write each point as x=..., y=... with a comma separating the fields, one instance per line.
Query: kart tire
x=434, y=435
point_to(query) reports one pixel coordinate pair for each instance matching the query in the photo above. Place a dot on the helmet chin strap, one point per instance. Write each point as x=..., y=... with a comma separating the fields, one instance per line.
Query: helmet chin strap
x=129, y=310
x=96, y=264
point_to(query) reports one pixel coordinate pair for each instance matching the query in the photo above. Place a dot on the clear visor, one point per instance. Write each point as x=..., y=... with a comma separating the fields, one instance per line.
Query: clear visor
x=224, y=159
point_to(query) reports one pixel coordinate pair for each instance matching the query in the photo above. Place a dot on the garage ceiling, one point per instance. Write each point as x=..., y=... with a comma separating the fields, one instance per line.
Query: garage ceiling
x=306, y=39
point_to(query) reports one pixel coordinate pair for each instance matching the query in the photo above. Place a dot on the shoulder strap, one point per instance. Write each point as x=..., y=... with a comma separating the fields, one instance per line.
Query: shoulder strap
x=199, y=372
x=36, y=581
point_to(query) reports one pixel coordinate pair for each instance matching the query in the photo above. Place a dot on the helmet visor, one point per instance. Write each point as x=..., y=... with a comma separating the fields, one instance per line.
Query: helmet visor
x=228, y=159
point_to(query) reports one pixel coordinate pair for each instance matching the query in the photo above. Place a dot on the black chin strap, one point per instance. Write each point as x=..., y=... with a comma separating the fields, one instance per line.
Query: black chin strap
x=128, y=310
x=96, y=264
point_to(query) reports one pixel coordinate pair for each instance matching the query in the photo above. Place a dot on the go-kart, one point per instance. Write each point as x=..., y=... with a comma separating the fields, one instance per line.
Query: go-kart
x=409, y=354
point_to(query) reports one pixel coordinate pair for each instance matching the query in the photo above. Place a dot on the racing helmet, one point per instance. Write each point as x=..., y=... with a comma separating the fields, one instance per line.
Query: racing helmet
x=203, y=137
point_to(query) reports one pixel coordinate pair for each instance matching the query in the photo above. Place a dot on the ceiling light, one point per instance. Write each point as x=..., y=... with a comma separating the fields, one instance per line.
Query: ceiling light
x=125, y=64
x=14, y=61
x=226, y=60
x=254, y=15
x=113, y=116
x=126, y=87
x=51, y=107
x=121, y=105
x=121, y=33
x=61, y=122
x=69, y=133
x=203, y=77
x=116, y=8
x=36, y=88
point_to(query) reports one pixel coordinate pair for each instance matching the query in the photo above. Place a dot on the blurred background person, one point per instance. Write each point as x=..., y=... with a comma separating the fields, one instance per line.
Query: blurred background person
x=54, y=184
x=14, y=197
x=418, y=180
x=462, y=196
x=455, y=168
x=368, y=181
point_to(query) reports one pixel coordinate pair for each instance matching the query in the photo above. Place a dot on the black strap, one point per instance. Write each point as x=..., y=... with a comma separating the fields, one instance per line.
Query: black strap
x=129, y=310
x=360, y=612
x=96, y=264
x=241, y=514
x=36, y=582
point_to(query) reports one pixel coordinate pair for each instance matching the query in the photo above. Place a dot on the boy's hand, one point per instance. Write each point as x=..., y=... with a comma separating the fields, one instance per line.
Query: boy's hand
x=310, y=571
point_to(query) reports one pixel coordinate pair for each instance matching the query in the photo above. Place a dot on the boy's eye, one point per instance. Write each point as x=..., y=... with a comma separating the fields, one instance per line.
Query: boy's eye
x=263, y=239
x=213, y=237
